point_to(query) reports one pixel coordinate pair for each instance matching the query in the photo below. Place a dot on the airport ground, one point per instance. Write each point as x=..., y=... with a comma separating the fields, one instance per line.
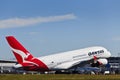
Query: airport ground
x=58, y=77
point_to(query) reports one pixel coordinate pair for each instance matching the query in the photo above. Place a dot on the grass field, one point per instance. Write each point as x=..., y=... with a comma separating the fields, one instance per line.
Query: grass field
x=58, y=77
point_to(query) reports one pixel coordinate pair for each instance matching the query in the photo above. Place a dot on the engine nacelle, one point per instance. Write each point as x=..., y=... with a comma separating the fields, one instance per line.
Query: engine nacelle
x=99, y=62
x=103, y=61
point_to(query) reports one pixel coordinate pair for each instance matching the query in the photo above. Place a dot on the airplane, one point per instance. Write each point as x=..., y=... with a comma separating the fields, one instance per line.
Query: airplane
x=59, y=61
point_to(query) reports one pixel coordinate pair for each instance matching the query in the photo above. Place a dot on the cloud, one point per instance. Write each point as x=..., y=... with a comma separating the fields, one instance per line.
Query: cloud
x=23, y=22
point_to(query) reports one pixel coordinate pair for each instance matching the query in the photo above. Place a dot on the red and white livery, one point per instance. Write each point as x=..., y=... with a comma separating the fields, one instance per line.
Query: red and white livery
x=59, y=61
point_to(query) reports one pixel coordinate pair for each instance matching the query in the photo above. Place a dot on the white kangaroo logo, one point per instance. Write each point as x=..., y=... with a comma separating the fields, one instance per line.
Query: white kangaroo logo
x=23, y=55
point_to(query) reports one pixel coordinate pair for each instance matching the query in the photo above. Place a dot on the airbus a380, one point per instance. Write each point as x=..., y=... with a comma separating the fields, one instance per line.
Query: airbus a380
x=59, y=61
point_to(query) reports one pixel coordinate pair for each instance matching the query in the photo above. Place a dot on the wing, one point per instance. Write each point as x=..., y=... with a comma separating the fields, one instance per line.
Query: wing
x=72, y=64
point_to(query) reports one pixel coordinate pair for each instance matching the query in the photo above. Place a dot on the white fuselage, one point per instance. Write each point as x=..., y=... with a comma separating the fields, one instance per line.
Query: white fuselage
x=68, y=59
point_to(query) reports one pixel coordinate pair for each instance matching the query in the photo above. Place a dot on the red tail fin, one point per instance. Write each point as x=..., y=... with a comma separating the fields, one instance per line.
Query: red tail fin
x=19, y=51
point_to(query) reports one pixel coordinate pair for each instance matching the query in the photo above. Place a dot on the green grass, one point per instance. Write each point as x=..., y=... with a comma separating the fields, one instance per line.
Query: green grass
x=58, y=77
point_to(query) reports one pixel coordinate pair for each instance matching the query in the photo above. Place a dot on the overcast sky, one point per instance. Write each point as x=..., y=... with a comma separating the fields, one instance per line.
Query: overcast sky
x=51, y=26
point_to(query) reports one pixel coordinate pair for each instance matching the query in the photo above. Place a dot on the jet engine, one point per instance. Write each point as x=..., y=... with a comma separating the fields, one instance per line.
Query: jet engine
x=99, y=62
